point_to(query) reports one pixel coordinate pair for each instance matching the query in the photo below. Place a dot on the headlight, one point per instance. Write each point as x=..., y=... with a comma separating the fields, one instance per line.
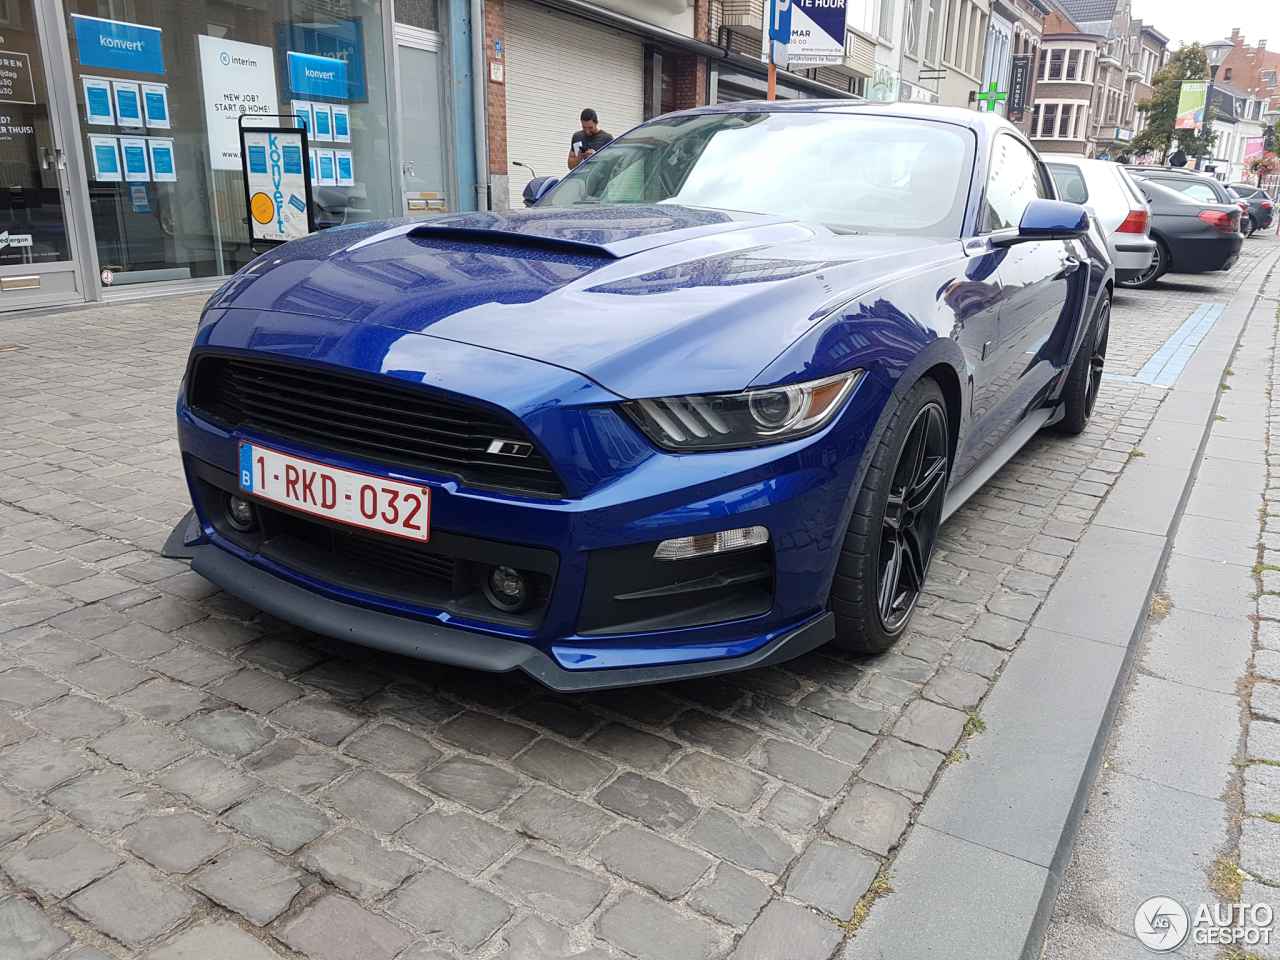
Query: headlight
x=726, y=421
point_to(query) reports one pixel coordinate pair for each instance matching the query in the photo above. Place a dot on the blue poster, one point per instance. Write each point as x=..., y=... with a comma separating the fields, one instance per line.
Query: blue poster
x=338, y=40
x=258, y=160
x=128, y=106
x=317, y=76
x=118, y=45
x=291, y=157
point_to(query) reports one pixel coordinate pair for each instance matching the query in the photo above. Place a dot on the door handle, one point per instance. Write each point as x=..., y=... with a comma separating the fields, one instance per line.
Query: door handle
x=46, y=158
x=60, y=158
x=1070, y=265
x=407, y=167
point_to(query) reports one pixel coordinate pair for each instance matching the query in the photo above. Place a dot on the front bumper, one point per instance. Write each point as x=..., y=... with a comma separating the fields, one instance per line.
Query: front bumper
x=462, y=648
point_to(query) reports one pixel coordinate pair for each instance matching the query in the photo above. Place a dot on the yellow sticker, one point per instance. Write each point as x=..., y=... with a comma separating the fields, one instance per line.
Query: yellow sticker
x=263, y=207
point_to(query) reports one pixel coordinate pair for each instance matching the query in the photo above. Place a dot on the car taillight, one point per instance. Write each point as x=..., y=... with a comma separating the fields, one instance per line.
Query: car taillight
x=1226, y=222
x=1266, y=204
x=1135, y=222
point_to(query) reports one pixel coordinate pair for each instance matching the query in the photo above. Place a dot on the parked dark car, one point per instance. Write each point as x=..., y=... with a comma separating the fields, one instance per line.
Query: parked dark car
x=1260, y=207
x=1191, y=236
x=703, y=408
x=1197, y=185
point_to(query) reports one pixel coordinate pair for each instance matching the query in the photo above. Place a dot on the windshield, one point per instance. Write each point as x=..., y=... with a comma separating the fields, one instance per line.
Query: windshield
x=852, y=173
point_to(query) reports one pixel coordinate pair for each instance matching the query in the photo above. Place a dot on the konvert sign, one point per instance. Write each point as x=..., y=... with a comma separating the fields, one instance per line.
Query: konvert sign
x=313, y=76
x=277, y=182
x=118, y=45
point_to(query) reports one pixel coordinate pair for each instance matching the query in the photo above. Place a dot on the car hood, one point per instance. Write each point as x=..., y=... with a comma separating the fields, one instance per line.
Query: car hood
x=645, y=300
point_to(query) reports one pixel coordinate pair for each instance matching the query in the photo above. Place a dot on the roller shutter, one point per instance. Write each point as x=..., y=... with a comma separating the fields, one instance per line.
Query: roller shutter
x=556, y=65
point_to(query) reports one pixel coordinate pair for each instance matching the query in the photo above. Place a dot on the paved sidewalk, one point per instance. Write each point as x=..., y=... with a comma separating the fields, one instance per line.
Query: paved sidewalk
x=181, y=775
x=1189, y=779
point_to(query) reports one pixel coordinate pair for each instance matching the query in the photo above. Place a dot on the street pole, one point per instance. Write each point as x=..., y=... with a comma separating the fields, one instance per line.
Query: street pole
x=773, y=80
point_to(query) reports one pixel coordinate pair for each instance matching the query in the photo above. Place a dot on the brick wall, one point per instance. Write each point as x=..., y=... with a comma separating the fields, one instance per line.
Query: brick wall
x=1057, y=23
x=497, y=99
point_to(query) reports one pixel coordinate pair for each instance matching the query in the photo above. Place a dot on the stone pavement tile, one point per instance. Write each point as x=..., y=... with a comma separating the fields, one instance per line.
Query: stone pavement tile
x=39, y=765
x=282, y=656
x=141, y=748
x=633, y=747
x=973, y=657
x=232, y=732
x=89, y=622
x=1260, y=849
x=75, y=718
x=28, y=611
x=650, y=861
x=420, y=951
x=481, y=786
x=411, y=703
x=534, y=939
x=653, y=803
x=438, y=904
x=106, y=800
x=872, y=817
x=749, y=845
x=166, y=613
x=553, y=817
x=56, y=653
x=132, y=905
x=770, y=683
x=720, y=736
x=24, y=687
x=377, y=801
x=256, y=691
x=1263, y=740
x=458, y=840
x=13, y=731
x=805, y=768
x=165, y=702
x=847, y=743
x=355, y=861
x=108, y=676
x=389, y=748
x=18, y=817
x=731, y=896
x=718, y=780
x=26, y=933
x=250, y=882
x=792, y=811
x=194, y=665
x=153, y=569
x=176, y=843
x=130, y=598
x=219, y=940
x=650, y=930
x=297, y=766
x=573, y=771
x=644, y=705
x=1262, y=789
x=86, y=953
x=551, y=885
x=219, y=634
x=1264, y=701
x=786, y=929
x=486, y=736
x=1266, y=664
x=60, y=863
x=862, y=714
x=320, y=720
x=1001, y=631
x=209, y=783
x=278, y=819
x=335, y=928
x=794, y=722
x=956, y=688
x=889, y=691
x=903, y=766
x=137, y=641
x=101, y=587
x=823, y=669
x=930, y=725
x=558, y=715
x=832, y=878
x=347, y=681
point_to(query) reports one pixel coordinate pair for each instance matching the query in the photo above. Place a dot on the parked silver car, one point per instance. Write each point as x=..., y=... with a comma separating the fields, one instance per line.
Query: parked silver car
x=1115, y=201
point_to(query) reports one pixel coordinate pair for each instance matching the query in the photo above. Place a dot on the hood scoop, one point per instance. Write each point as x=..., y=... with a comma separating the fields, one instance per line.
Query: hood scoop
x=508, y=243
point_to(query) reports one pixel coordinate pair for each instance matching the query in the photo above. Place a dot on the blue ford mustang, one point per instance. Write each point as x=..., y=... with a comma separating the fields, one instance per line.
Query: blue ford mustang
x=703, y=408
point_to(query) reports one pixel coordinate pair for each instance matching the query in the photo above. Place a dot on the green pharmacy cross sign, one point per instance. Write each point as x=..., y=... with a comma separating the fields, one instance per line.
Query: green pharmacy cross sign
x=987, y=97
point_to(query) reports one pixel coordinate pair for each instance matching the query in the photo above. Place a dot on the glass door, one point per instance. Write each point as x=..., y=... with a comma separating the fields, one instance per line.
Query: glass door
x=37, y=251
x=421, y=123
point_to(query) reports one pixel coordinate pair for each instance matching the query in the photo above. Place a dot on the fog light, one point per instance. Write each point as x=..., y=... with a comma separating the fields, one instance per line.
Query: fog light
x=239, y=513
x=506, y=589
x=707, y=544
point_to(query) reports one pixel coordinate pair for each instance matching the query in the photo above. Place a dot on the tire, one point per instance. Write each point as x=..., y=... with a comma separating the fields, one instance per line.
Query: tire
x=1081, y=392
x=891, y=535
x=1248, y=226
x=1160, y=264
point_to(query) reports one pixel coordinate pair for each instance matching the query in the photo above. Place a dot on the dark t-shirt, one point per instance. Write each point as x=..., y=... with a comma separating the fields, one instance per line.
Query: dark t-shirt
x=593, y=142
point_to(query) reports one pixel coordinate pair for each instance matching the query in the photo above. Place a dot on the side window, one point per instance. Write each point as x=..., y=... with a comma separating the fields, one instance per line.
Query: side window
x=1196, y=191
x=1071, y=186
x=1012, y=183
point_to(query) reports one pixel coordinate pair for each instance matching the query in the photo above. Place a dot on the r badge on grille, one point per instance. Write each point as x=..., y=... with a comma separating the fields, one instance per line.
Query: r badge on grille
x=510, y=448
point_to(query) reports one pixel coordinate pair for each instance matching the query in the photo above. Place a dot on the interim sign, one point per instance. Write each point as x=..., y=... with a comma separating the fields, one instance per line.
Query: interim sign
x=817, y=32
x=238, y=79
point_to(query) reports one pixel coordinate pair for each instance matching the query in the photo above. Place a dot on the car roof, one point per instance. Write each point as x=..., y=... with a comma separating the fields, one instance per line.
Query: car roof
x=1180, y=171
x=976, y=120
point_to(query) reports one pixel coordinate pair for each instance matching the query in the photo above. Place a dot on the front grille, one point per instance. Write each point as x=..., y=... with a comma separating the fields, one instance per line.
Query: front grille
x=375, y=420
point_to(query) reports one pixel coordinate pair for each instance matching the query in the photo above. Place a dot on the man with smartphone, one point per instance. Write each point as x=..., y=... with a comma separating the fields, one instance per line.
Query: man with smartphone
x=588, y=140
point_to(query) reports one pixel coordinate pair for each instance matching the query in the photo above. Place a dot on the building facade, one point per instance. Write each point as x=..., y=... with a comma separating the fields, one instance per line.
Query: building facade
x=1066, y=76
x=122, y=149
x=1253, y=69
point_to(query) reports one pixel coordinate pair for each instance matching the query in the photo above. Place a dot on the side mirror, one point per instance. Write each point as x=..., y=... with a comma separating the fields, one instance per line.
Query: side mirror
x=1050, y=220
x=537, y=188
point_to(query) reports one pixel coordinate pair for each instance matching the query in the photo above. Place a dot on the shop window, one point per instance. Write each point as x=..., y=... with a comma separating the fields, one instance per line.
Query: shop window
x=173, y=207
x=1073, y=64
x=1048, y=120
x=1055, y=65
x=423, y=14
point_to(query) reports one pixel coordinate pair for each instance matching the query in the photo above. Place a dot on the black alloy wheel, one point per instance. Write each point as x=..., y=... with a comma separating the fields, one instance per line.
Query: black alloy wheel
x=1097, y=358
x=1084, y=380
x=912, y=514
x=1158, y=268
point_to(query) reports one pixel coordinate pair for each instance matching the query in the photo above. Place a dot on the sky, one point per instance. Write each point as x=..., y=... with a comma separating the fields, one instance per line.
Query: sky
x=1183, y=21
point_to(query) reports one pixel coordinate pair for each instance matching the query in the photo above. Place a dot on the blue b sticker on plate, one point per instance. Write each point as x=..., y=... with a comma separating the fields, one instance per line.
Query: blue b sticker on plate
x=246, y=467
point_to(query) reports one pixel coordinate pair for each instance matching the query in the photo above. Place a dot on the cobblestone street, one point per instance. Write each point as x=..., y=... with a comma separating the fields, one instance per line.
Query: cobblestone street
x=182, y=776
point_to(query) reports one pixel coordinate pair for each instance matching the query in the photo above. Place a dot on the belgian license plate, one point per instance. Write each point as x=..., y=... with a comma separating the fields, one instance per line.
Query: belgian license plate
x=375, y=503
